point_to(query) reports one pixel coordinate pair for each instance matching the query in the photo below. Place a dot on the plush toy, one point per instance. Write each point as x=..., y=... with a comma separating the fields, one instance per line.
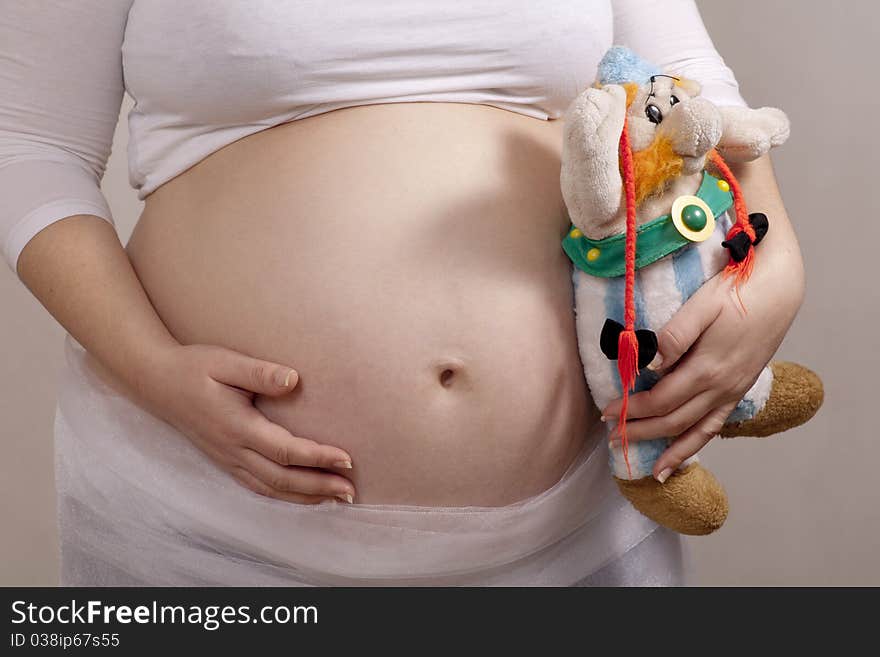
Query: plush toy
x=651, y=224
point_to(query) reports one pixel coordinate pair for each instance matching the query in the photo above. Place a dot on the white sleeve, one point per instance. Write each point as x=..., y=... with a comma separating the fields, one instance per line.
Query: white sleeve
x=671, y=35
x=61, y=87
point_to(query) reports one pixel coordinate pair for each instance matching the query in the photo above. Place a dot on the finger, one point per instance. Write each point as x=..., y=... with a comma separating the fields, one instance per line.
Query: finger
x=692, y=441
x=295, y=479
x=249, y=481
x=677, y=422
x=277, y=444
x=260, y=376
x=688, y=324
x=673, y=390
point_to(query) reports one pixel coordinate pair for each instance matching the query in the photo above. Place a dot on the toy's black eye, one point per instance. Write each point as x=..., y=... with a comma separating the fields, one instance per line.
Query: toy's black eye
x=673, y=100
x=653, y=113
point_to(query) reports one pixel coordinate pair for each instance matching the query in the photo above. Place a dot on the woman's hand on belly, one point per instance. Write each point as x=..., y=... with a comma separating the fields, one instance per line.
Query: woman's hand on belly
x=207, y=393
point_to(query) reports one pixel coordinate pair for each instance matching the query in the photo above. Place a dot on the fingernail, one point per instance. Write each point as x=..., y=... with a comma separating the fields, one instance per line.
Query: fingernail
x=655, y=364
x=345, y=497
x=345, y=465
x=603, y=419
x=283, y=379
x=664, y=475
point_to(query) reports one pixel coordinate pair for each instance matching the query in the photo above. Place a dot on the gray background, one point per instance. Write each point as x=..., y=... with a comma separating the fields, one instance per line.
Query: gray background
x=803, y=507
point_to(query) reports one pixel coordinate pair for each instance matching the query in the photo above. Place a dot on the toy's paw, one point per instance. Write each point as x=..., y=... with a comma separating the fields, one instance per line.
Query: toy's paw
x=690, y=502
x=796, y=396
x=596, y=116
x=747, y=133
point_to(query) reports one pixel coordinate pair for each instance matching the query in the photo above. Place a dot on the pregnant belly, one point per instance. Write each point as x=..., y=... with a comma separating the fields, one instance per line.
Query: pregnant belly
x=406, y=260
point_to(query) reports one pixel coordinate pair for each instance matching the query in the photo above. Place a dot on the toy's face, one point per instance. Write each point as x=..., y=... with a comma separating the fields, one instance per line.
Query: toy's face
x=668, y=119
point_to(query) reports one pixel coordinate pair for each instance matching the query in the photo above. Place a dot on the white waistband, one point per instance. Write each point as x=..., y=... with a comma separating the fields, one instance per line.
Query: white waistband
x=134, y=493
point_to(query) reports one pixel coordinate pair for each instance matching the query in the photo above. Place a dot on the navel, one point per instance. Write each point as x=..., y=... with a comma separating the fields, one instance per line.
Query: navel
x=447, y=376
x=450, y=372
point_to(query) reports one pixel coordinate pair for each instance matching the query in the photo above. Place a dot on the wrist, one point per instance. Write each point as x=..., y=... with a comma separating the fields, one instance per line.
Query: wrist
x=151, y=368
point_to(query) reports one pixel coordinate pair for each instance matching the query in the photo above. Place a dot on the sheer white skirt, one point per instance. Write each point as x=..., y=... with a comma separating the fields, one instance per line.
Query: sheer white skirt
x=139, y=505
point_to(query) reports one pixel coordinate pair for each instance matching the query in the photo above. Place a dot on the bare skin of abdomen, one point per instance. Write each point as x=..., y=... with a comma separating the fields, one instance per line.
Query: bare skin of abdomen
x=405, y=259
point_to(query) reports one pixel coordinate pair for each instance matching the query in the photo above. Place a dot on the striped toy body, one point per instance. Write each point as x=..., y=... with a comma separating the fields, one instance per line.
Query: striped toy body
x=661, y=288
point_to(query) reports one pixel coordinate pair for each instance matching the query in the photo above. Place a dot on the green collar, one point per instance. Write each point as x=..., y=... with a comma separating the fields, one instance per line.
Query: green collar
x=655, y=239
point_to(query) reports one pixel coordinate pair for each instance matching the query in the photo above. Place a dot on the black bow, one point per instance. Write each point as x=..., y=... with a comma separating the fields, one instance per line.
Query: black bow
x=740, y=244
x=610, y=338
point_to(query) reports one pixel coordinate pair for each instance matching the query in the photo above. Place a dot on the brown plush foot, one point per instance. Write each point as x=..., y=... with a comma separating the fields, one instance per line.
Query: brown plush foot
x=690, y=502
x=796, y=395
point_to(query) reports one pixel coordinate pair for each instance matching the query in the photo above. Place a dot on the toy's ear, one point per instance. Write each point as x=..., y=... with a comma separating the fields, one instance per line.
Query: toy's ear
x=747, y=134
x=691, y=87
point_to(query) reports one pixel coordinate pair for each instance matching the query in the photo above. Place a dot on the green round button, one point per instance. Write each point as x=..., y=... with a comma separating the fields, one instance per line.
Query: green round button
x=694, y=217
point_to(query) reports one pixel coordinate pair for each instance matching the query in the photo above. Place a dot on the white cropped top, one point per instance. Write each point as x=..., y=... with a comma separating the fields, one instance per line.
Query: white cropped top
x=205, y=73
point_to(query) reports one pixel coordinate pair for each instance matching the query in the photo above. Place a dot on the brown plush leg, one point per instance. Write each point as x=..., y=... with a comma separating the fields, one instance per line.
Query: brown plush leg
x=691, y=501
x=796, y=395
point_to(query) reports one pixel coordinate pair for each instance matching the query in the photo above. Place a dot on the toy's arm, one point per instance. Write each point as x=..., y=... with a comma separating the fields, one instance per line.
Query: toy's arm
x=590, y=177
x=747, y=134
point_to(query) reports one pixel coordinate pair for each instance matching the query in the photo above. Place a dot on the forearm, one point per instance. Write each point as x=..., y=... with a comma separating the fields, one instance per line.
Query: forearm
x=778, y=257
x=78, y=269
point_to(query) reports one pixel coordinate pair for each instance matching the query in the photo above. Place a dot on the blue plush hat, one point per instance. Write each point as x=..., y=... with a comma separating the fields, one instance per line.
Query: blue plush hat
x=620, y=64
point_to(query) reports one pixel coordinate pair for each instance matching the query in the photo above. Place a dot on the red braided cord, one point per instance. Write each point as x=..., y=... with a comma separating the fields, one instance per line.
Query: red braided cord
x=740, y=270
x=629, y=187
x=628, y=346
